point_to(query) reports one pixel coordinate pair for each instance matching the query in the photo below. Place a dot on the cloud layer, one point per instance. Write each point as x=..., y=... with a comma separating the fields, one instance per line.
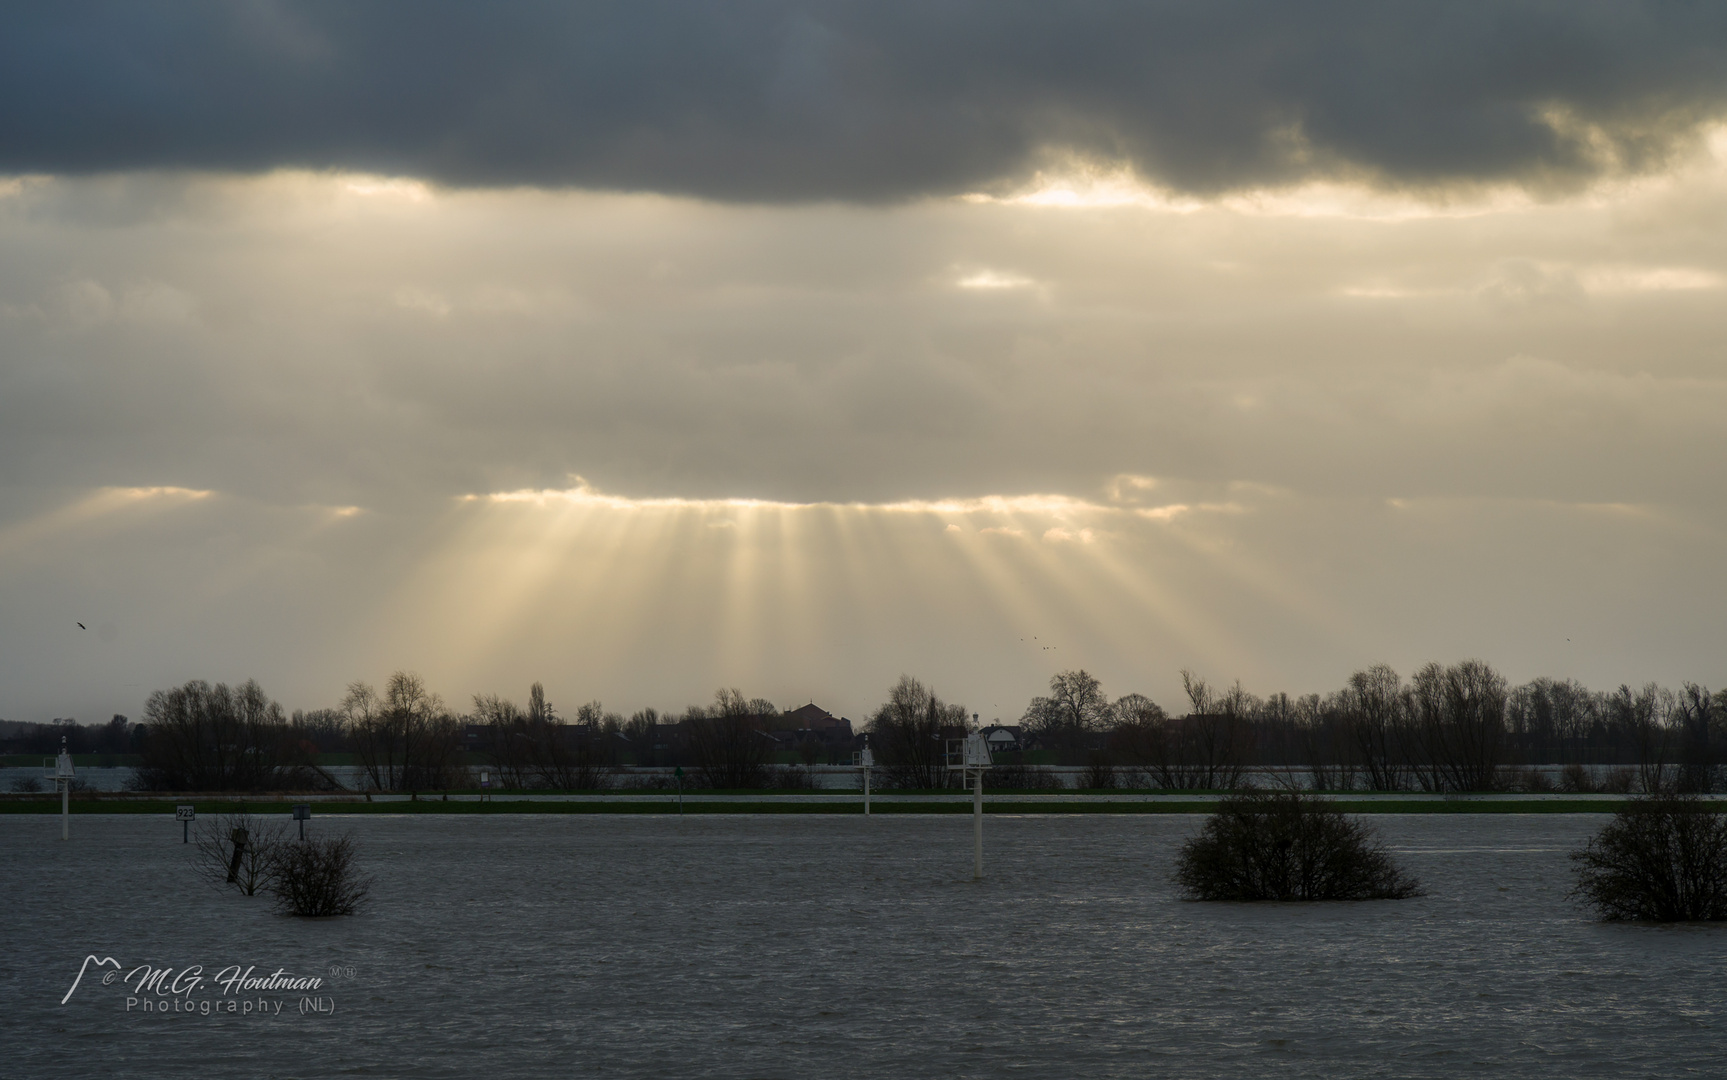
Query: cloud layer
x=640, y=348
x=876, y=100
x=347, y=341
x=256, y=425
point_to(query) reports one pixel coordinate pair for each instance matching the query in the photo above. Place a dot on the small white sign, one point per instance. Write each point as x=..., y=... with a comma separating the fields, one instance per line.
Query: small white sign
x=185, y=813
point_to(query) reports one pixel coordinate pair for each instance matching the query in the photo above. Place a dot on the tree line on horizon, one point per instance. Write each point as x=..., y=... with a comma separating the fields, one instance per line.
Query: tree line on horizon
x=203, y=737
x=1456, y=727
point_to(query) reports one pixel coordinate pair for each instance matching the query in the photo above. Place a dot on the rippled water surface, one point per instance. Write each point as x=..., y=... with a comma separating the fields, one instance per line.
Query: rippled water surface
x=796, y=946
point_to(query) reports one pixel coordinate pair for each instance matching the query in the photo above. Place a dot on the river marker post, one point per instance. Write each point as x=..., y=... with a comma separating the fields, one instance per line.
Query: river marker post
x=866, y=761
x=185, y=814
x=971, y=757
x=62, y=775
x=239, y=837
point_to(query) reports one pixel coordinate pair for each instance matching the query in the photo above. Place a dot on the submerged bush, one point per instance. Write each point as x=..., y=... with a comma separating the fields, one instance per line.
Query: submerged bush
x=1532, y=780
x=1264, y=846
x=793, y=778
x=1616, y=782
x=237, y=851
x=1661, y=859
x=316, y=877
x=1100, y=772
x=1022, y=778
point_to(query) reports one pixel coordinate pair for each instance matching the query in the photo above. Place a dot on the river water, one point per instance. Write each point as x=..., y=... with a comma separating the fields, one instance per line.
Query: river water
x=796, y=946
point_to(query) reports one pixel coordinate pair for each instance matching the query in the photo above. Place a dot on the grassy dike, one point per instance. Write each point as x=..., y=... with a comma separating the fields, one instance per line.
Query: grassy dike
x=772, y=805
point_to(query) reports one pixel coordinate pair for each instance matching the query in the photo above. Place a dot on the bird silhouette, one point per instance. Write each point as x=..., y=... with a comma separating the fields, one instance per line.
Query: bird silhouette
x=81, y=626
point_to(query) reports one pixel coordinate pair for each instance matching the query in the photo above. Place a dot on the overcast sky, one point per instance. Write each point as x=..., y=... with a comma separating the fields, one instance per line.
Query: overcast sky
x=642, y=349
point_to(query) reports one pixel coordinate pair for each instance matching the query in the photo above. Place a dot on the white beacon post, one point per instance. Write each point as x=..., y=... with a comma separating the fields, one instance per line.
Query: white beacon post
x=866, y=761
x=63, y=781
x=971, y=756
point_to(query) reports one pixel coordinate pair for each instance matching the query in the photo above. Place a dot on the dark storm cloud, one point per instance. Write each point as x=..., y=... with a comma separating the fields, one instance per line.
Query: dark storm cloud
x=872, y=100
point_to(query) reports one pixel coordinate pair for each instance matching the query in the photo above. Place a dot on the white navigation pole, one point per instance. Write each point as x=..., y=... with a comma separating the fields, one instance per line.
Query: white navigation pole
x=971, y=755
x=63, y=781
x=866, y=761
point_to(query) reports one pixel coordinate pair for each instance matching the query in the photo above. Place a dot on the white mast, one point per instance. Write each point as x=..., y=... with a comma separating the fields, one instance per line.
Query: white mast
x=971, y=755
x=63, y=781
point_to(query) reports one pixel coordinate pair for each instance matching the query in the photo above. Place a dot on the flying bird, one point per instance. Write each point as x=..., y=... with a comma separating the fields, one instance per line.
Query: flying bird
x=81, y=626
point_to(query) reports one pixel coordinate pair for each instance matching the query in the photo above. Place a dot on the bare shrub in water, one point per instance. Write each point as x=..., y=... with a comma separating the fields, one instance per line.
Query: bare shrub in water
x=1022, y=778
x=1099, y=771
x=1288, y=846
x=1617, y=782
x=792, y=778
x=1661, y=859
x=316, y=877
x=237, y=850
x=1576, y=778
x=1531, y=780
x=646, y=781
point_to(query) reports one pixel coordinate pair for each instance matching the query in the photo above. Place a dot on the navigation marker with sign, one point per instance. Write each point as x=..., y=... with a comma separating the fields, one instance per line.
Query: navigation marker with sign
x=62, y=776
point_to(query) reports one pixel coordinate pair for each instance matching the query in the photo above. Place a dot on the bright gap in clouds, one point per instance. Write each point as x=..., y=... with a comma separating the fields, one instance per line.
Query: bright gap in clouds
x=1086, y=185
x=101, y=504
x=982, y=590
x=1071, y=182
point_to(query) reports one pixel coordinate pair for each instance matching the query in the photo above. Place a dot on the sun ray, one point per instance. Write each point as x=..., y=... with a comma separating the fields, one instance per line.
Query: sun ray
x=99, y=504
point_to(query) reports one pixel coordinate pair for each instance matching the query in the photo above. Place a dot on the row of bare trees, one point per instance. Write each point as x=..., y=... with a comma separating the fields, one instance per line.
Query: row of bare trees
x=210, y=738
x=405, y=738
x=200, y=737
x=1456, y=727
x=1204, y=749
x=909, y=732
x=1460, y=728
x=725, y=743
x=1446, y=728
x=536, y=748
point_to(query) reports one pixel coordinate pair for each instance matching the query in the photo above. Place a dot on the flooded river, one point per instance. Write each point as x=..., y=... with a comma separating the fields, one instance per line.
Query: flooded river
x=797, y=946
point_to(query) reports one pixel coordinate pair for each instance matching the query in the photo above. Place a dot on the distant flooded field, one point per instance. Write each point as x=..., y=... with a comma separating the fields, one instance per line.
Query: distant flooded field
x=798, y=946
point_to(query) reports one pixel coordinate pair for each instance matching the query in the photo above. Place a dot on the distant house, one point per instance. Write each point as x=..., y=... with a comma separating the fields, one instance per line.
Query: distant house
x=817, y=722
x=1005, y=739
